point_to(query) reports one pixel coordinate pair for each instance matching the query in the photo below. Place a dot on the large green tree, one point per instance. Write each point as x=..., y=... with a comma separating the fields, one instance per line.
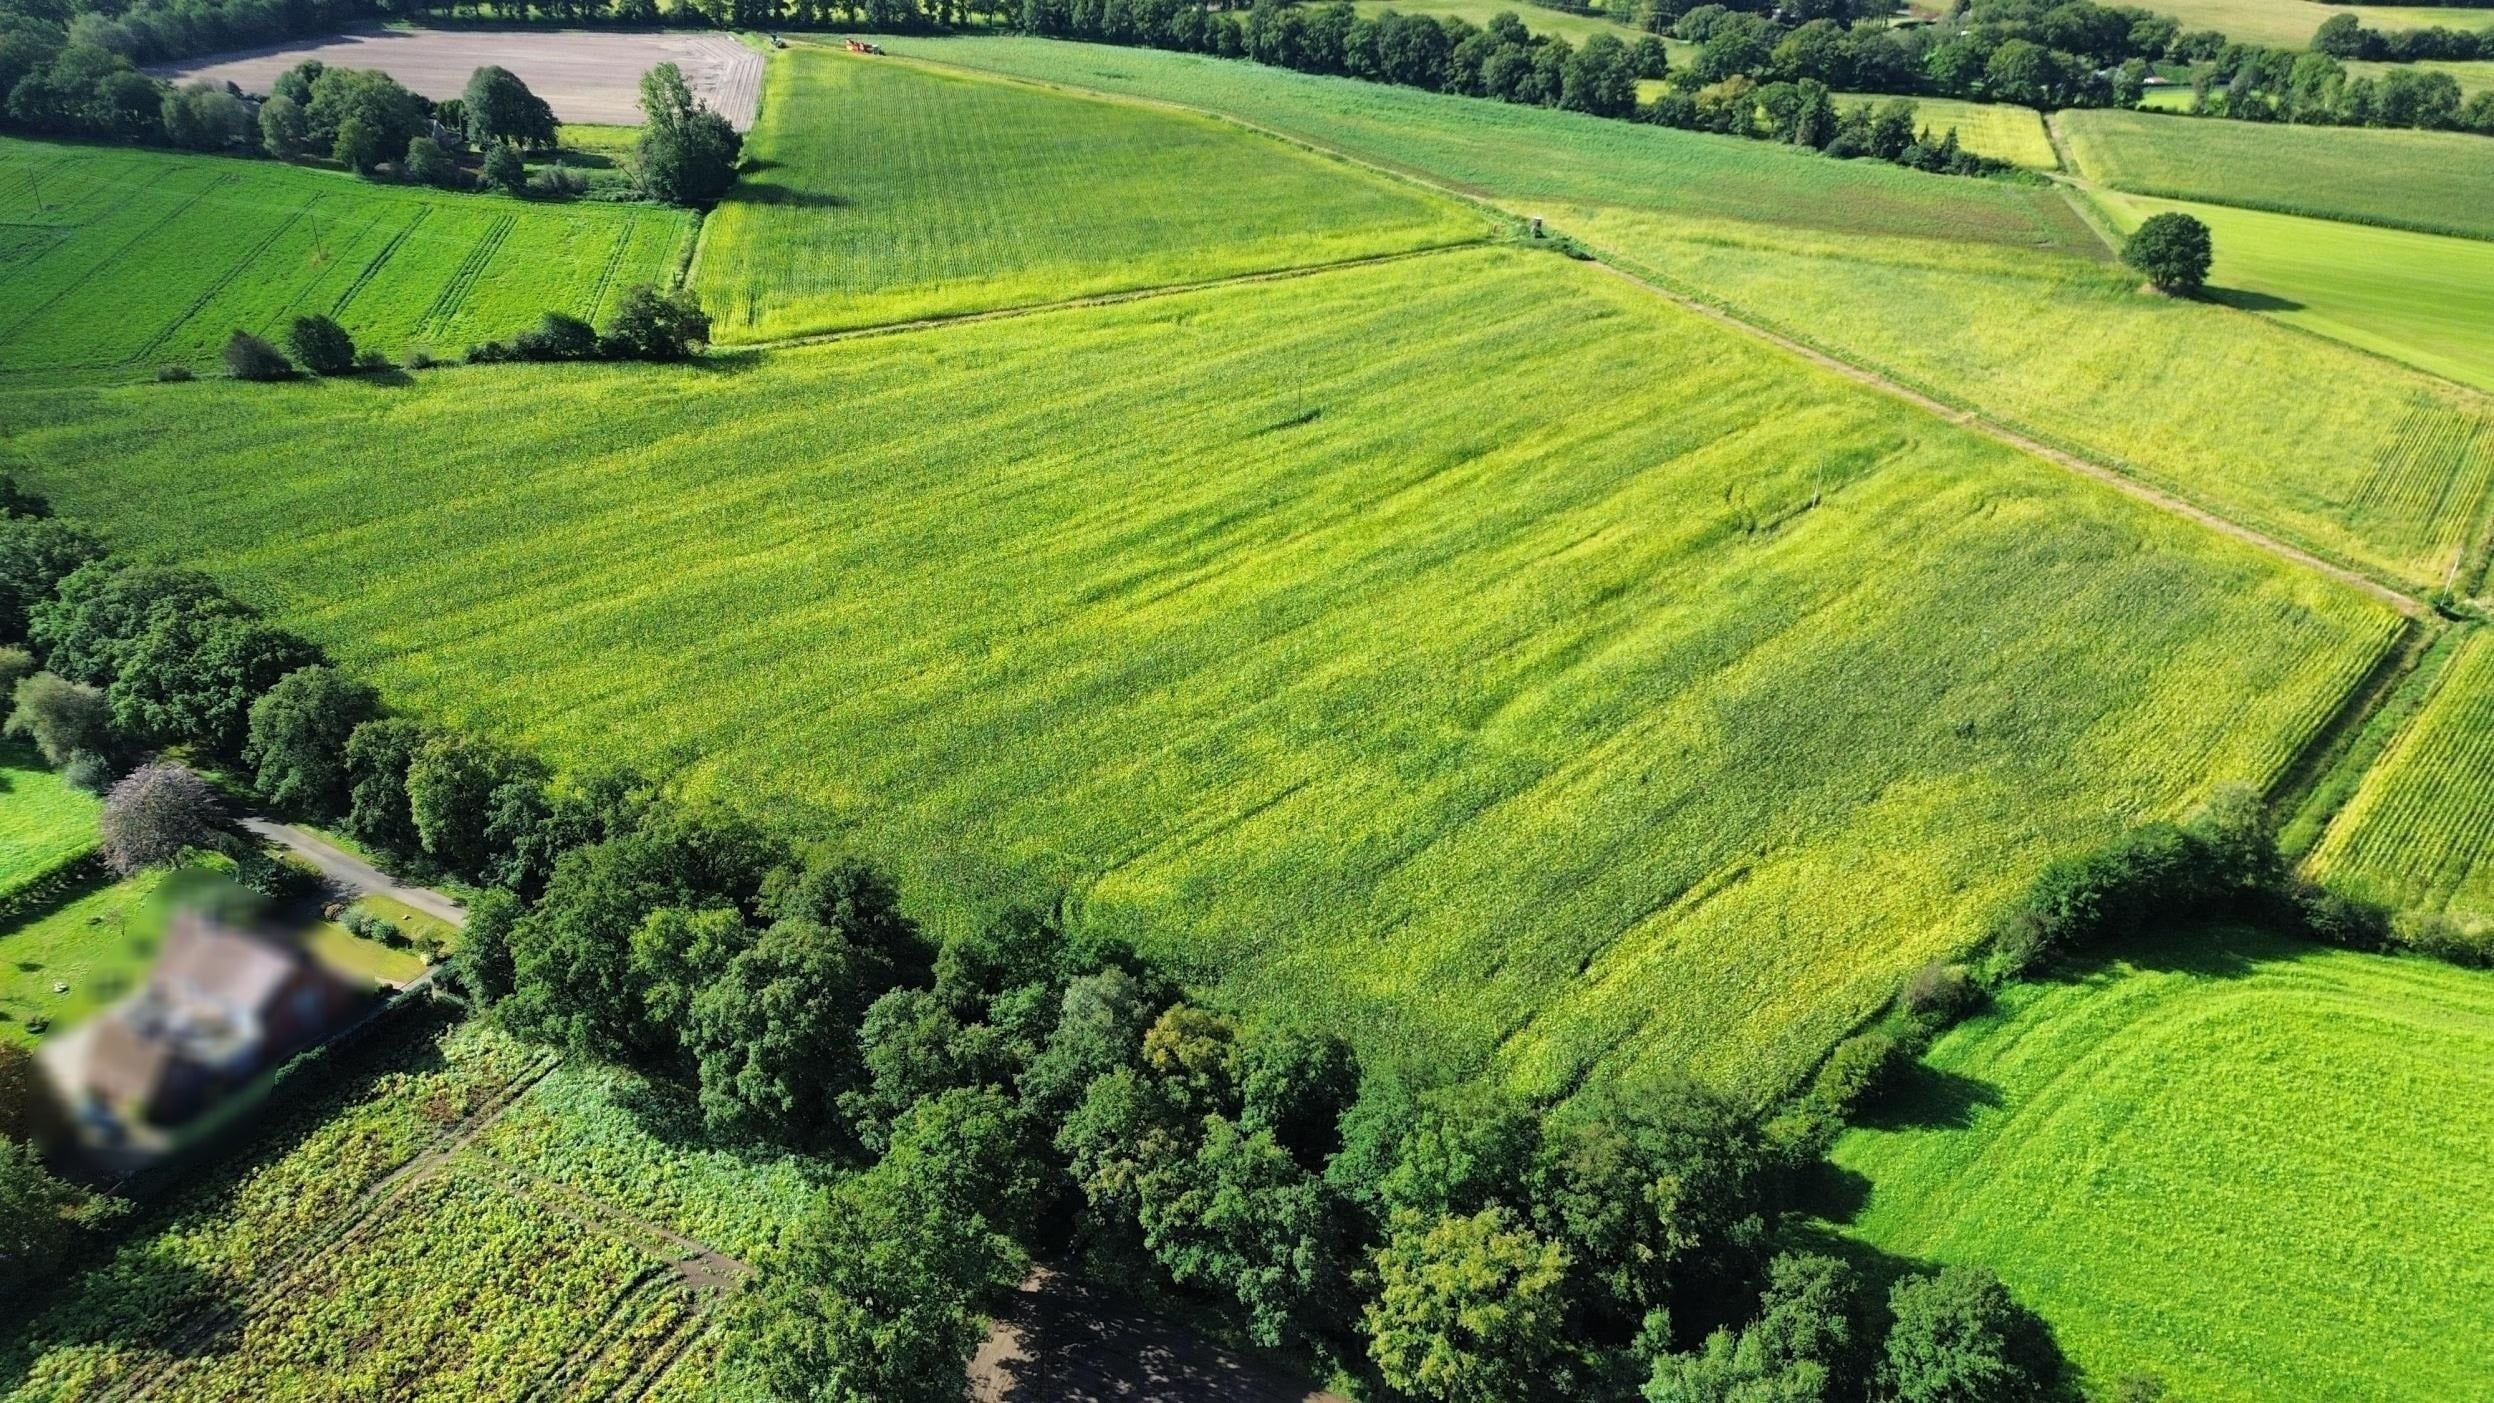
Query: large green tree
x=499, y=108
x=688, y=152
x=1469, y=1309
x=296, y=750
x=774, y=1036
x=2173, y=250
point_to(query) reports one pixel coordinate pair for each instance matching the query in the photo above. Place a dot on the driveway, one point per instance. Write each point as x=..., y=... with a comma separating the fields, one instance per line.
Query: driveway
x=353, y=873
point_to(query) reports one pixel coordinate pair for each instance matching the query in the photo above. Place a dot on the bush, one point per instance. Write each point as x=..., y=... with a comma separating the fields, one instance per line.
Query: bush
x=558, y=183
x=655, y=326
x=365, y=925
x=173, y=374
x=273, y=877
x=1939, y=993
x=322, y=345
x=88, y=773
x=247, y=357
x=505, y=170
x=2438, y=935
x=428, y=164
x=371, y=363
x=421, y=359
x=1853, y=1072
x=559, y=337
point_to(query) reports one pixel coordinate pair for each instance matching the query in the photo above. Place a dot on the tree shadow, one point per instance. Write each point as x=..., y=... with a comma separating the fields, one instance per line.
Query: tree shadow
x=2031, y=1339
x=727, y=362
x=2247, y=300
x=1063, y=1340
x=791, y=195
x=1919, y=1096
x=142, y=1301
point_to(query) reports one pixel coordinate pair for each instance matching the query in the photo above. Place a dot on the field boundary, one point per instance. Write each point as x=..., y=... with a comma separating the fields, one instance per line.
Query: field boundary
x=1965, y=417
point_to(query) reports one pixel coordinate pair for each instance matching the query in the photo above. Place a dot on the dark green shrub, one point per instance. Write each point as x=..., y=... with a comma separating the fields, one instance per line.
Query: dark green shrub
x=322, y=345
x=559, y=337
x=505, y=170
x=247, y=357
x=1939, y=994
x=2173, y=250
x=172, y=374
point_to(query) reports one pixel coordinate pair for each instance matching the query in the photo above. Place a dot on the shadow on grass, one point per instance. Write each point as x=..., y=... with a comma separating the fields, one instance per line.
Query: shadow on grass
x=792, y=196
x=143, y=1304
x=2244, y=299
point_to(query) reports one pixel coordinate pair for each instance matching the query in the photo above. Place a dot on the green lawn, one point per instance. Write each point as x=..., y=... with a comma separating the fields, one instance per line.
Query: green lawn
x=1575, y=29
x=98, y=943
x=2419, y=832
x=2280, y=430
x=2288, y=24
x=1532, y=157
x=888, y=192
x=44, y=823
x=2254, y=1168
x=1995, y=129
x=2474, y=75
x=2418, y=298
x=1475, y=651
x=115, y=261
x=2434, y=182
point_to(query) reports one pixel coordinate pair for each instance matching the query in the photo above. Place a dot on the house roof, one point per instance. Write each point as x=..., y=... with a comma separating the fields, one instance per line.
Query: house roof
x=204, y=962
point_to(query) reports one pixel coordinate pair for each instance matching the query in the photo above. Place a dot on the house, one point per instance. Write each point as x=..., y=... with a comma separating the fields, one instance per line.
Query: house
x=221, y=1005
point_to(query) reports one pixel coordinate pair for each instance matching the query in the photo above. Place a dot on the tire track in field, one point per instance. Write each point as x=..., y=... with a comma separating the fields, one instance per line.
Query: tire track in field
x=221, y=282
x=372, y=269
x=455, y=292
x=114, y=259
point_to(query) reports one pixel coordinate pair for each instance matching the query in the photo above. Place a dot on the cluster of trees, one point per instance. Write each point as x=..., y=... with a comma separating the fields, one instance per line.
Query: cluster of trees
x=2251, y=83
x=648, y=325
x=2344, y=36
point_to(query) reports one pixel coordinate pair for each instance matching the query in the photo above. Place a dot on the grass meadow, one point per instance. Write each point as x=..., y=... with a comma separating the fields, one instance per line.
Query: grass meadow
x=2419, y=832
x=2289, y=24
x=1474, y=652
x=2419, y=298
x=113, y=262
x=888, y=192
x=2288, y=432
x=2254, y=1168
x=2474, y=75
x=2002, y=131
x=420, y=1251
x=44, y=823
x=1529, y=157
x=1574, y=28
x=95, y=941
x=2432, y=182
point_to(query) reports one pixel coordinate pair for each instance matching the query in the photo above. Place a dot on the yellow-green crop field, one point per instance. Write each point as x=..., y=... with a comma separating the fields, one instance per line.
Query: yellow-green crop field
x=117, y=261
x=1472, y=651
x=2433, y=182
x=1999, y=130
x=888, y=192
x=2473, y=75
x=2289, y=24
x=2254, y=1168
x=2283, y=431
x=1532, y=159
x=2419, y=832
x=388, y=1239
x=2419, y=298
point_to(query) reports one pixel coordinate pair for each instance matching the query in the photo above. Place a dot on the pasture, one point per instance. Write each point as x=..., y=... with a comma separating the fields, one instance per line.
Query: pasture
x=419, y=1252
x=2432, y=182
x=2418, y=298
x=2288, y=24
x=2268, y=426
x=93, y=941
x=113, y=262
x=584, y=75
x=1999, y=130
x=2251, y=1167
x=2474, y=75
x=1473, y=652
x=44, y=823
x=2415, y=836
x=1531, y=159
x=888, y=193
x=1574, y=28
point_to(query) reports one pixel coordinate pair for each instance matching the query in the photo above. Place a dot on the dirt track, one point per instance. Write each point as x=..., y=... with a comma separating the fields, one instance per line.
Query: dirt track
x=586, y=76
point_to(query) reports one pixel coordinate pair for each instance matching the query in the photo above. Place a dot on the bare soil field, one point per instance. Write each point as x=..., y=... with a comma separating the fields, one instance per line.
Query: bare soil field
x=587, y=76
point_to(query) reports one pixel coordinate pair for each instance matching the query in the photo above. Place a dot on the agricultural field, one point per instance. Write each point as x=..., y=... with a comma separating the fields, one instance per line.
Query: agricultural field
x=92, y=939
x=2418, y=298
x=44, y=823
x=2283, y=431
x=2415, y=836
x=2288, y=24
x=1574, y=28
x=1533, y=159
x=2432, y=182
x=889, y=193
x=370, y=1247
x=2474, y=75
x=584, y=75
x=113, y=262
x=2251, y=1167
x=1392, y=661
x=1999, y=130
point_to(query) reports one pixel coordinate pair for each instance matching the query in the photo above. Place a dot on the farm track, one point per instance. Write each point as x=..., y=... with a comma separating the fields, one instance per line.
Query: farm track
x=1860, y=374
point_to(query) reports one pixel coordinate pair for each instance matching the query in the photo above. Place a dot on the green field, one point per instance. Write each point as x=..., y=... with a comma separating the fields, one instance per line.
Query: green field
x=113, y=262
x=2418, y=298
x=2288, y=24
x=1529, y=157
x=337, y=1260
x=96, y=942
x=2280, y=430
x=2419, y=832
x=44, y=824
x=1575, y=29
x=1474, y=650
x=1997, y=130
x=889, y=192
x=2254, y=1168
x=2434, y=182
x=2474, y=75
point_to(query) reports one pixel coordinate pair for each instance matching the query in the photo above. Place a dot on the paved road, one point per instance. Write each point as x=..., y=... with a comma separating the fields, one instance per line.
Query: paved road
x=348, y=870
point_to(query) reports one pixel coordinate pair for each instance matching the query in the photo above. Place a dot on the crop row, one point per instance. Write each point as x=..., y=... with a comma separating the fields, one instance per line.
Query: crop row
x=2419, y=832
x=2431, y=477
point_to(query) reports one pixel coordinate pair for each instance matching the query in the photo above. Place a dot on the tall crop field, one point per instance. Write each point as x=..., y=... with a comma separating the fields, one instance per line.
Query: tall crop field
x=2282, y=431
x=115, y=261
x=2003, y=131
x=1521, y=155
x=1473, y=652
x=2419, y=833
x=2435, y=182
x=888, y=192
x=2252, y=1168
x=2425, y=299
